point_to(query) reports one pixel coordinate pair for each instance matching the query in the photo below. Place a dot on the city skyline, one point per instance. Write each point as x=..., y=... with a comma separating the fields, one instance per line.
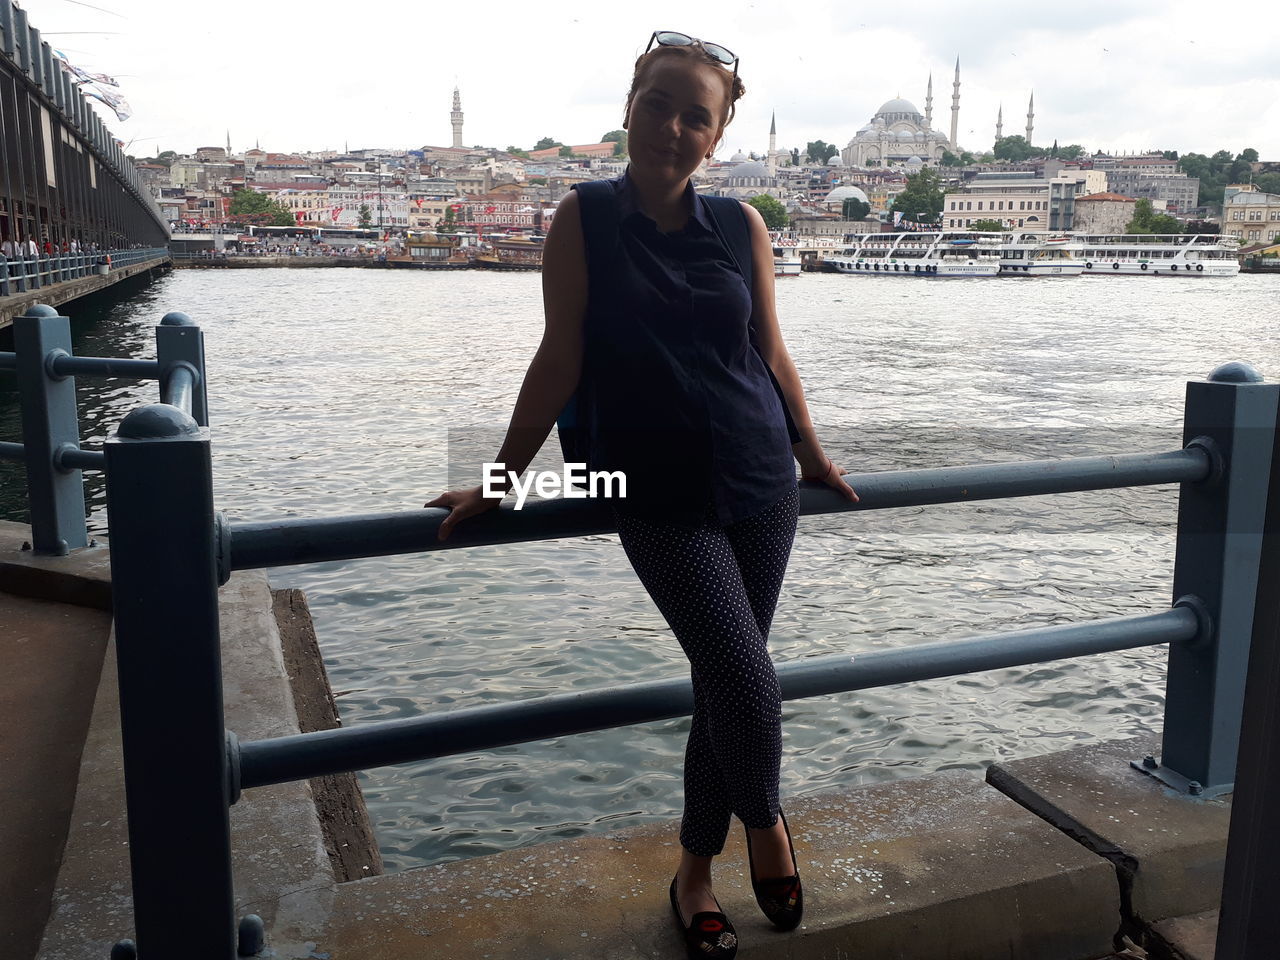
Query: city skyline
x=1119, y=80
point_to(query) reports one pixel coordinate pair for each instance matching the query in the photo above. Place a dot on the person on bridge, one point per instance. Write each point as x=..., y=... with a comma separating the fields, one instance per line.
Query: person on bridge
x=681, y=375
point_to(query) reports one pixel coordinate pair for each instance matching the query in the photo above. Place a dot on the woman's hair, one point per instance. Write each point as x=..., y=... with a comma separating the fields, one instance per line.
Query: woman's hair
x=701, y=56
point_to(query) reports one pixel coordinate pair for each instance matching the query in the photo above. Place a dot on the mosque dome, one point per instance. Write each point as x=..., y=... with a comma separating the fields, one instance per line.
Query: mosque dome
x=897, y=106
x=738, y=157
x=835, y=161
x=750, y=170
x=846, y=192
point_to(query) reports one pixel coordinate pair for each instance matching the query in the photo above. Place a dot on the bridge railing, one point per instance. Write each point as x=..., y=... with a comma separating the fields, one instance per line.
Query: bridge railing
x=21, y=274
x=170, y=551
x=46, y=370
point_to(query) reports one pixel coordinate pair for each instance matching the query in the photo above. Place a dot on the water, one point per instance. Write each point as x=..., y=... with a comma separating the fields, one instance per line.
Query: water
x=336, y=391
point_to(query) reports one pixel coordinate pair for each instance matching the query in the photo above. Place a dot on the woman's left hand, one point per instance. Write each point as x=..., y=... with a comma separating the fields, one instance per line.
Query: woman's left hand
x=832, y=478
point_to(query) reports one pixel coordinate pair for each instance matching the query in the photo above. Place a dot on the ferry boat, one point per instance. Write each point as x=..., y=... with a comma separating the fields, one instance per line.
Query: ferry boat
x=926, y=253
x=1026, y=254
x=1158, y=255
x=520, y=253
x=786, y=262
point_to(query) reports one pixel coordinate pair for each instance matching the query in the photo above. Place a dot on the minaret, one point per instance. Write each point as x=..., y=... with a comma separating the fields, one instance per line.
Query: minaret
x=456, y=118
x=1031, y=115
x=228, y=143
x=773, y=133
x=1000, y=122
x=928, y=106
x=955, y=107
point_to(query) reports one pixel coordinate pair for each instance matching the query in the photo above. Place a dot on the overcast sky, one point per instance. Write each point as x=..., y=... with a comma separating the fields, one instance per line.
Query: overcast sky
x=1116, y=75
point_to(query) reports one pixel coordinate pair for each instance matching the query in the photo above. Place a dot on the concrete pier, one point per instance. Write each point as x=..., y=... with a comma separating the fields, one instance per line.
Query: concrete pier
x=55, y=294
x=1048, y=858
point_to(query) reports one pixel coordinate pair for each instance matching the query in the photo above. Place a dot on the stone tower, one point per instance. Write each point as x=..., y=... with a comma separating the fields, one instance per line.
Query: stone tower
x=955, y=108
x=456, y=118
x=1031, y=114
x=1000, y=122
x=773, y=133
x=928, y=105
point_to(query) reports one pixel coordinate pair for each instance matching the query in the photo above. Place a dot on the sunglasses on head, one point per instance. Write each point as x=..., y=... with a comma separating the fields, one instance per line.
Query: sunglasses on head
x=672, y=38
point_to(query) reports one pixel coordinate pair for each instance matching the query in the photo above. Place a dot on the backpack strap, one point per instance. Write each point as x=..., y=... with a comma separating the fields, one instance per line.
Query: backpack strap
x=734, y=230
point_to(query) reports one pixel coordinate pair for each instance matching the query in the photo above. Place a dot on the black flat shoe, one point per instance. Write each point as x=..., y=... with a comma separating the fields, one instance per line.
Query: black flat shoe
x=781, y=899
x=708, y=934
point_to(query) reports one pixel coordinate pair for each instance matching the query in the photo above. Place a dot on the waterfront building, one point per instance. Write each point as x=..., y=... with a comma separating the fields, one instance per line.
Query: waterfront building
x=1250, y=214
x=500, y=211
x=1103, y=213
x=1014, y=199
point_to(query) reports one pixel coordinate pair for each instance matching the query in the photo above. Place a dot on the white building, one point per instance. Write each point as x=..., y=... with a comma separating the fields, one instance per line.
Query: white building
x=1250, y=214
x=898, y=133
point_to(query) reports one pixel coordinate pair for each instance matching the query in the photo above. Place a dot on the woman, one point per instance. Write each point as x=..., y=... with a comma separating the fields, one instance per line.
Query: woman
x=673, y=346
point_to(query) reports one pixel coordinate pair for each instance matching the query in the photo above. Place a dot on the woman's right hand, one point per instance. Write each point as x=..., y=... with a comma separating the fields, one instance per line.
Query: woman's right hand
x=461, y=504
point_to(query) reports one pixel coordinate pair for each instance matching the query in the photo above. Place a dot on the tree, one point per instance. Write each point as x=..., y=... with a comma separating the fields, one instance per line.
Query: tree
x=949, y=159
x=618, y=137
x=1015, y=149
x=566, y=151
x=449, y=223
x=921, y=201
x=546, y=143
x=774, y=213
x=1146, y=220
x=1072, y=151
x=795, y=156
x=249, y=202
x=365, y=216
x=819, y=151
x=992, y=225
x=517, y=152
x=854, y=209
x=1248, y=155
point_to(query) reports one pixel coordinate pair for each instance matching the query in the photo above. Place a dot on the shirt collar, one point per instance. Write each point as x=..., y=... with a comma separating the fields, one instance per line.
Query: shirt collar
x=629, y=203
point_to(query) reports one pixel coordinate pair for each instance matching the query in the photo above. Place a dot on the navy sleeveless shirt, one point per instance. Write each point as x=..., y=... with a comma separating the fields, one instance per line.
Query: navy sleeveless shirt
x=679, y=399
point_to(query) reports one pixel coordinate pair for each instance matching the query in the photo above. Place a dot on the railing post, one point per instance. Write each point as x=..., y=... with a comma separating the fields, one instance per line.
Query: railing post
x=179, y=340
x=56, y=497
x=165, y=599
x=1252, y=869
x=4, y=276
x=1220, y=525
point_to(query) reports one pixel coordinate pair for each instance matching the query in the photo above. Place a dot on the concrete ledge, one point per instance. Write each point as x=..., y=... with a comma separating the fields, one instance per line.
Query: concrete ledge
x=1186, y=938
x=82, y=578
x=1168, y=848
x=937, y=867
x=281, y=870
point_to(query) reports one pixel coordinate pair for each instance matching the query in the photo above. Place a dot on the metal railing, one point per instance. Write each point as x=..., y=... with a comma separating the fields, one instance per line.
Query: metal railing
x=170, y=551
x=46, y=368
x=22, y=274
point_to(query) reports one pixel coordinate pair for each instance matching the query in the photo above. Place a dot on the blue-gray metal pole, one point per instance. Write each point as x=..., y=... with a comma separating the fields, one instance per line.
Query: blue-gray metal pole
x=1220, y=526
x=49, y=422
x=301, y=756
x=179, y=350
x=165, y=600
x=1246, y=926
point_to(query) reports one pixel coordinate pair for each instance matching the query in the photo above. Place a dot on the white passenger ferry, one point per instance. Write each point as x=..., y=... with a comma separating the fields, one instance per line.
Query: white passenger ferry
x=932, y=253
x=786, y=261
x=1158, y=255
x=1025, y=254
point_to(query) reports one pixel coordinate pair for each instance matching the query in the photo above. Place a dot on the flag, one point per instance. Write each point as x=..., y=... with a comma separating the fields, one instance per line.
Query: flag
x=117, y=103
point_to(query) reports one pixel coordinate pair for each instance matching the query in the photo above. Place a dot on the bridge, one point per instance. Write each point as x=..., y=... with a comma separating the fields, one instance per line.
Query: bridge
x=71, y=202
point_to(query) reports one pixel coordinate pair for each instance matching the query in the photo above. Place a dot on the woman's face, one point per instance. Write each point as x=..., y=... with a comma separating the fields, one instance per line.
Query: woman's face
x=675, y=116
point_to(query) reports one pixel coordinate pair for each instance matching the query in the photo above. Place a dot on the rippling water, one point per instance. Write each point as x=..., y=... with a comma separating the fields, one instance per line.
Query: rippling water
x=336, y=391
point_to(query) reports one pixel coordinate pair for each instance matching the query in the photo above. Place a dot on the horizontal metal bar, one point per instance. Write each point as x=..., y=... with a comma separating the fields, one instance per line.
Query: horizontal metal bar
x=12, y=451
x=122, y=367
x=82, y=460
x=8, y=360
x=180, y=386
x=276, y=543
x=360, y=747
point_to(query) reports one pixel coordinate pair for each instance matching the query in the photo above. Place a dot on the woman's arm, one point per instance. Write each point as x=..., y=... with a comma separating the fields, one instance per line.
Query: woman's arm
x=553, y=373
x=764, y=317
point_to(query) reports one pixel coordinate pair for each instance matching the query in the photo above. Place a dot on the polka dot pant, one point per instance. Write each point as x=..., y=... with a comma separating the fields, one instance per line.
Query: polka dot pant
x=717, y=588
